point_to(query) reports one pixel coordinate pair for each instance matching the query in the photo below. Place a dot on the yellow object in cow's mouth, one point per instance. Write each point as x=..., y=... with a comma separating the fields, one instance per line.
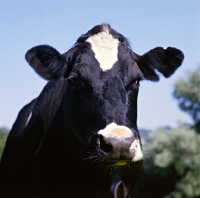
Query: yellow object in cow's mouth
x=120, y=163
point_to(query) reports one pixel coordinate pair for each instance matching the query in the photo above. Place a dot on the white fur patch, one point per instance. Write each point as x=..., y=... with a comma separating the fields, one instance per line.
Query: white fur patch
x=105, y=47
x=116, y=131
x=134, y=144
x=28, y=119
x=139, y=153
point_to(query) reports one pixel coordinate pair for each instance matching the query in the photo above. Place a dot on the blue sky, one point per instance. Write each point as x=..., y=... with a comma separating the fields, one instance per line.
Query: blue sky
x=147, y=24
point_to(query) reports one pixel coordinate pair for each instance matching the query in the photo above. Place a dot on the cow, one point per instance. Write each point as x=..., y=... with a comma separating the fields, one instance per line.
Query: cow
x=79, y=137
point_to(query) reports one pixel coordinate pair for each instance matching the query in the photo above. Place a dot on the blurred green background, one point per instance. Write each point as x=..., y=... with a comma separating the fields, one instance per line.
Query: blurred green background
x=171, y=166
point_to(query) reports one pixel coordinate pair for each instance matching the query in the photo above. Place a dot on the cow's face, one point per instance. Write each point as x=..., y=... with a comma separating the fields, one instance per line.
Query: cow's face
x=103, y=89
x=103, y=83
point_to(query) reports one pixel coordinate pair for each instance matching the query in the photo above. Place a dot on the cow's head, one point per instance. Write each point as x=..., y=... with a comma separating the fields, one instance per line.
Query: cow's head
x=103, y=82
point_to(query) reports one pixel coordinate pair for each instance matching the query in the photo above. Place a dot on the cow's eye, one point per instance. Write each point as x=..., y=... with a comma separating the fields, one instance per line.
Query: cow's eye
x=134, y=85
x=73, y=77
x=80, y=81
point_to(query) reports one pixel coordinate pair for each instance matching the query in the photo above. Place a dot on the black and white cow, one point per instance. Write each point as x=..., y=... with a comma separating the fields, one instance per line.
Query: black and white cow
x=79, y=138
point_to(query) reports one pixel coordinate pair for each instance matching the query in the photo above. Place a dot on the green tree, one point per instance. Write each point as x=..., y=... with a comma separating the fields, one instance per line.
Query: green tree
x=187, y=92
x=173, y=167
x=3, y=137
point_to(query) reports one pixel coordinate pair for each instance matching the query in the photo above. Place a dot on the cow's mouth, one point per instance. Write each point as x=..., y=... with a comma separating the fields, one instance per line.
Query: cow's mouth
x=118, y=162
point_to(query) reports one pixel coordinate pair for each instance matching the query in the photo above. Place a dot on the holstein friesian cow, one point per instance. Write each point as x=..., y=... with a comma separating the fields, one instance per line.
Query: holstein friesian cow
x=79, y=137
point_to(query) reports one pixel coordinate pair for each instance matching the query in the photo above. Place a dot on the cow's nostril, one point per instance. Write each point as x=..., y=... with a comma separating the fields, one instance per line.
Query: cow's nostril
x=104, y=146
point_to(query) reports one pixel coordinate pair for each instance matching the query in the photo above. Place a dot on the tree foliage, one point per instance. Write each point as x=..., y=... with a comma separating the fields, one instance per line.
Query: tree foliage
x=173, y=169
x=187, y=92
x=3, y=136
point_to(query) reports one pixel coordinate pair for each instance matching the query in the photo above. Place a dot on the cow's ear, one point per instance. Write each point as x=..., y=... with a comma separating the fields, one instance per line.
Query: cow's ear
x=46, y=61
x=165, y=61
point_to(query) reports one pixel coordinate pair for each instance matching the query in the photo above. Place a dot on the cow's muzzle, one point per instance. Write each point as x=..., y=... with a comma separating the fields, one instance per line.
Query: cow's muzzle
x=119, y=145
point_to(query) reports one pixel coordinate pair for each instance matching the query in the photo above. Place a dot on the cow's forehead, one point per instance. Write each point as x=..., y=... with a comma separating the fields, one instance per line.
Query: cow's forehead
x=106, y=55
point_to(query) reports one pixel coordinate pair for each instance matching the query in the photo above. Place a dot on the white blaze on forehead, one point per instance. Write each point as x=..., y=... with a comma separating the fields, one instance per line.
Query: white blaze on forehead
x=116, y=131
x=139, y=154
x=105, y=47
